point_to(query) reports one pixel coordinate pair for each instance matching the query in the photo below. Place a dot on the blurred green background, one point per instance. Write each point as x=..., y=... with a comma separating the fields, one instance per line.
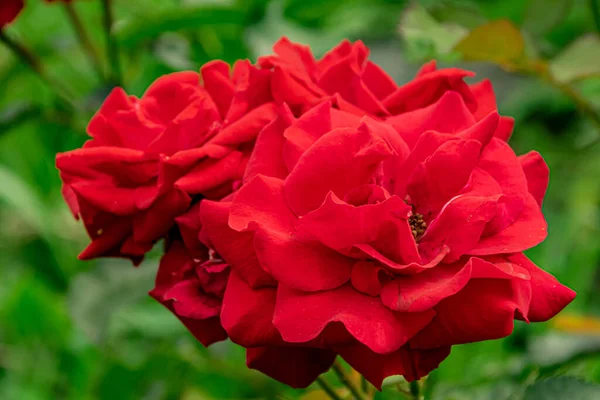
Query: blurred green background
x=87, y=330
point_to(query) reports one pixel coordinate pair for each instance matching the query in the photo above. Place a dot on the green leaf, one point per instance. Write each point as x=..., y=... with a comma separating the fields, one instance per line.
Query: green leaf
x=554, y=11
x=96, y=296
x=499, y=42
x=421, y=31
x=135, y=29
x=580, y=60
x=562, y=388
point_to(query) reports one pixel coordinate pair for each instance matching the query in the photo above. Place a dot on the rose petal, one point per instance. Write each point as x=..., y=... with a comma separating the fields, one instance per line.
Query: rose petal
x=549, y=297
x=411, y=364
x=237, y=248
x=536, y=172
x=247, y=313
x=297, y=367
x=448, y=115
x=482, y=310
x=267, y=157
x=442, y=175
x=301, y=317
x=426, y=89
x=337, y=162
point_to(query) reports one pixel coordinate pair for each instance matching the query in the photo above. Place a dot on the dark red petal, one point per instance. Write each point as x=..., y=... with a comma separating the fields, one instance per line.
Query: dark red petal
x=341, y=226
x=301, y=264
x=350, y=154
x=427, y=88
x=448, y=115
x=423, y=291
x=459, y=225
x=304, y=132
x=426, y=68
x=210, y=173
x=237, y=248
x=368, y=277
x=430, y=260
x=160, y=217
x=501, y=162
x=536, y=172
x=267, y=156
x=207, y=331
x=216, y=80
x=246, y=128
x=482, y=310
x=549, y=297
x=261, y=203
x=297, y=367
x=528, y=230
x=9, y=10
x=247, y=313
x=173, y=266
x=485, y=97
x=189, y=227
x=301, y=317
x=377, y=80
x=190, y=301
x=412, y=364
x=442, y=175
x=169, y=95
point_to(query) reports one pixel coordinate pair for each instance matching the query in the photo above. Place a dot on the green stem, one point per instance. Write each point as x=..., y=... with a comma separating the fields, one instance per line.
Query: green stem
x=29, y=59
x=346, y=381
x=84, y=40
x=595, y=7
x=112, y=48
x=415, y=390
x=327, y=388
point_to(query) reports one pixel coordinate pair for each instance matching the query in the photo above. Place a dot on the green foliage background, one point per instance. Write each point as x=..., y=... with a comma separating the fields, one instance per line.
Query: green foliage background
x=87, y=330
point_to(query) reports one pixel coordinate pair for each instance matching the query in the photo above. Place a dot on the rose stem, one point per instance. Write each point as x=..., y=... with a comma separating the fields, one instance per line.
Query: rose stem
x=415, y=390
x=345, y=379
x=84, y=39
x=111, y=44
x=327, y=388
x=34, y=63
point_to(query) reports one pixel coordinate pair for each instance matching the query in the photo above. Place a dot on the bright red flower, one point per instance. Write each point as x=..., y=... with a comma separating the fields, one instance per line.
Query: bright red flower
x=360, y=86
x=9, y=10
x=384, y=245
x=149, y=157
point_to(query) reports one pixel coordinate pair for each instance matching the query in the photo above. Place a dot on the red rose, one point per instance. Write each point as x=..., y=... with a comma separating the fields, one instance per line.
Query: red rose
x=148, y=157
x=191, y=281
x=360, y=86
x=386, y=246
x=9, y=10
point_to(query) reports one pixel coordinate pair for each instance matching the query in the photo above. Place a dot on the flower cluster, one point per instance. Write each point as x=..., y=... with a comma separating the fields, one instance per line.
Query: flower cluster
x=314, y=208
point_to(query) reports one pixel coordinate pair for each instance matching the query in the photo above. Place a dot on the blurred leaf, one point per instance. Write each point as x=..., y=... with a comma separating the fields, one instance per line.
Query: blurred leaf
x=577, y=324
x=420, y=30
x=96, y=296
x=543, y=15
x=500, y=42
x=133, y=30
x=554, y=351
x=173, y=49
x=561, y=388
x=20, y=196
x=581, y=59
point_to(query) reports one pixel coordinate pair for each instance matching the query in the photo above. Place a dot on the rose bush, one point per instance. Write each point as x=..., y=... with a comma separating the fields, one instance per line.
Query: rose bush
x=315, y=208
x=385, y=245
x=149, y=157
